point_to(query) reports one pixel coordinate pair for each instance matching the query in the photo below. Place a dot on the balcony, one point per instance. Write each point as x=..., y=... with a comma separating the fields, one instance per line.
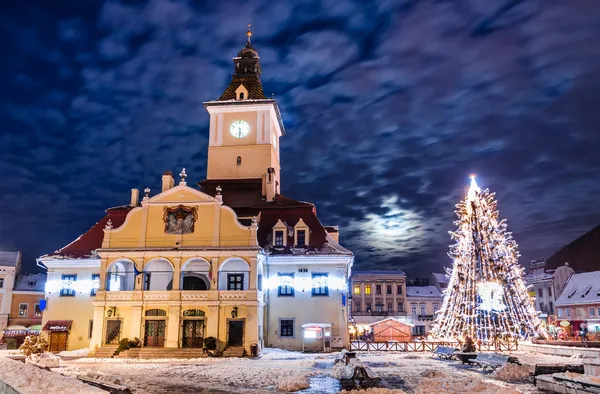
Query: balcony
x=179, y=295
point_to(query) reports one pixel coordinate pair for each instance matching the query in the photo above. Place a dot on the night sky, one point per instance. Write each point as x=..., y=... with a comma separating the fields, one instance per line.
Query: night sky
x=389, y=105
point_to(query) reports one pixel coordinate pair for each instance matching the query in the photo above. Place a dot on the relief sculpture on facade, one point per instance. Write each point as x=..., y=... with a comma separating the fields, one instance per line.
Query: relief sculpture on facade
x=180, y=219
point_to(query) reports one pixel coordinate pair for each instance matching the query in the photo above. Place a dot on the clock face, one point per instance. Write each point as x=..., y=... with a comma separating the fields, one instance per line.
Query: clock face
x=239, y=129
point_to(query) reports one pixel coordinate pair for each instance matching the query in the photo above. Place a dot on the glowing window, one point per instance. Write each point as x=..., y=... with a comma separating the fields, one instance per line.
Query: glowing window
x=367, y=289
x=356, y=289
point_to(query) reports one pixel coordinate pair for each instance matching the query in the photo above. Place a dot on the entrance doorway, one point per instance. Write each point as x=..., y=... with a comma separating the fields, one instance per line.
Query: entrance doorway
x=113, y=332
x=154, y=334
x=193, y=333
x=58, y=341
x=235, y=333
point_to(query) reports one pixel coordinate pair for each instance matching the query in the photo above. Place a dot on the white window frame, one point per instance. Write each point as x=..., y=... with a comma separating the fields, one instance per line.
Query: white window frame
x=592, y=311
x=293, y=336
x=301, y=226
x=560, y=312
x=279, y=226
x=1, y=283
x=26, y=309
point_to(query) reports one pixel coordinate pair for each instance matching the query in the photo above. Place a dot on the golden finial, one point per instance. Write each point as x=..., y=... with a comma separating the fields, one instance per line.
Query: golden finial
x=249, y=32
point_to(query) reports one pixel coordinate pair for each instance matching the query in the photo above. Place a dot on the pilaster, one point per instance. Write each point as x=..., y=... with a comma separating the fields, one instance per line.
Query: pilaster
x=173, y=327
x=98, y=327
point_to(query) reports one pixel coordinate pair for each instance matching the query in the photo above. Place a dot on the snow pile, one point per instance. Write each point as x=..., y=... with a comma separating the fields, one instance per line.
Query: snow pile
x=293, y=383
x=28, y=379
x=513, y=373
x=436, y=381
x=75, y=353
x=375, y=391
x=44, y=360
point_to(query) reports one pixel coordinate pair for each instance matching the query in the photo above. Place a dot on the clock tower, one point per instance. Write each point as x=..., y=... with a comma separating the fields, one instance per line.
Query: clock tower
x=245, y=127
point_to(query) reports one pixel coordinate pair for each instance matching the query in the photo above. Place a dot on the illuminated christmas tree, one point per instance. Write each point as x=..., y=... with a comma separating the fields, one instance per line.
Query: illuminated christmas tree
x=486, y=298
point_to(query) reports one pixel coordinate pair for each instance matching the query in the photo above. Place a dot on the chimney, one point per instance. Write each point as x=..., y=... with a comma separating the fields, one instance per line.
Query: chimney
x=167, y=181
x=271, y=184
x=135, y=197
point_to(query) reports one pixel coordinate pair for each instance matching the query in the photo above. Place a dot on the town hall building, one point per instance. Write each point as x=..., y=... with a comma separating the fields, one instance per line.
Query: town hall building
x=229, y=258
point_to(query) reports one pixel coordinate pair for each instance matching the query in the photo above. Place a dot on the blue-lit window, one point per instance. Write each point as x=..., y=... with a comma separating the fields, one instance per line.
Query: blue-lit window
x=286, y=285
x=320, y=285
x=68, y=285
x=95, y=284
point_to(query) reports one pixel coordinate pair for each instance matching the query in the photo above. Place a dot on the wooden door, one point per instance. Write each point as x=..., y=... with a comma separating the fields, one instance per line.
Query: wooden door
x=154, y=334
x=58, y=341
x=193, y=333
x=236, y=333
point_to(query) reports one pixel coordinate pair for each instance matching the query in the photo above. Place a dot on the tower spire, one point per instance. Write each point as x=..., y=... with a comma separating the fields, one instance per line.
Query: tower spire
x=249, y=33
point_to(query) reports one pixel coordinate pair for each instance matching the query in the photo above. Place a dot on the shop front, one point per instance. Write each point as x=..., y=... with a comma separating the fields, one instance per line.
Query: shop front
x=58, y=333
x=316, y=337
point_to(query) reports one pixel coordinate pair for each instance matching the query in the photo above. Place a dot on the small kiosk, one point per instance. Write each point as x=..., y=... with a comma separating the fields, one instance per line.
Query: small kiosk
x=316, y=337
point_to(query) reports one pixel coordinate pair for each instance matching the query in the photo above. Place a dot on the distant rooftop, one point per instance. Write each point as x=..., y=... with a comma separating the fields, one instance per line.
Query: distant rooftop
x=441, y=278
x=581, y=288
x=422, y=291
x=10, y=259
x=31, y=282
x=377, y=272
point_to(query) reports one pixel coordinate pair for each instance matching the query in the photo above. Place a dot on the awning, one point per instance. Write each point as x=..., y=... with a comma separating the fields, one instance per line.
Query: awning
x=15, y=331
x=34, y=330
x=58, y=325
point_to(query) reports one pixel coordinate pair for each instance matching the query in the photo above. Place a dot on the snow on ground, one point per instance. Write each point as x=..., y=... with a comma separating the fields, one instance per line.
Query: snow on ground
x=74, y=353
x=283, y=371
x=27, y=379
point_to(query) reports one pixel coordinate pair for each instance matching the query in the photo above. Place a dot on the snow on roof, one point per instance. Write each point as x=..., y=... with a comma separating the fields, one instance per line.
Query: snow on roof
x=422, y=291
x=581, y=288
x=31, y=282
x=10, y=259
x=321, y=325
x=394, y=319
x=441, y=278
x=378, y=272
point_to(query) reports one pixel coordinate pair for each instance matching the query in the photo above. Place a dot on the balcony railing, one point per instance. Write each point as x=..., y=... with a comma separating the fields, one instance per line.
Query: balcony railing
x=179, y=295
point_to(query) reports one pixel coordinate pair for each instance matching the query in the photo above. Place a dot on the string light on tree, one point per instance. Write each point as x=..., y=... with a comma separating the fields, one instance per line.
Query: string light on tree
x=486, y=296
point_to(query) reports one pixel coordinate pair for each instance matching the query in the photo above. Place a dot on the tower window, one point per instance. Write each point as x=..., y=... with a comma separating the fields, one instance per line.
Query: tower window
x=239, y=160
x=241, y=95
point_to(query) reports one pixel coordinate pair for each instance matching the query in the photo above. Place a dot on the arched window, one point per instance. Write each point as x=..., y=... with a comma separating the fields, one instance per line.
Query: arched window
x=239, y=160
x=234, y=274
x=241, y=95
x=195, y=275
x=158, y=275
x=120, y=276
x=156, y=312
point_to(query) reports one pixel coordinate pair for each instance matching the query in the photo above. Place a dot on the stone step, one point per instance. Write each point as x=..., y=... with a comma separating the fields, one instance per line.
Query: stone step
x=163, y=353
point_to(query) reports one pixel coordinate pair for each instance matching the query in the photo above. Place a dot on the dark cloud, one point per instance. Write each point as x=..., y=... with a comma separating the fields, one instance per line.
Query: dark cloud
x=388, y=105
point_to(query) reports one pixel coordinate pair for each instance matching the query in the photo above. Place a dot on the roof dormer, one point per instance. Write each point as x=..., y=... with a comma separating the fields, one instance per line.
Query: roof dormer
x=301, y=234
x=241, y=93
x=280, y=234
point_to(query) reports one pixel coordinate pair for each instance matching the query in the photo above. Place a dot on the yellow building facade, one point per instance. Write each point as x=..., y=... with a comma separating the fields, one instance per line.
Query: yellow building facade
x=187, y=263
x=173, y=283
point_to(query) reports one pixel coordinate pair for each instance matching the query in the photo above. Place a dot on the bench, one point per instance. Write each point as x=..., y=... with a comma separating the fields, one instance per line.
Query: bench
x=491, y=360
x=344, y=356
x=444, y=352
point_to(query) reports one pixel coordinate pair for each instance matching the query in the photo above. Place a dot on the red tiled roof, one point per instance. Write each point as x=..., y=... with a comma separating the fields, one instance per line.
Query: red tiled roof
x=581, y=254
x=246, y=199
x=252, y=84
x=92, y=239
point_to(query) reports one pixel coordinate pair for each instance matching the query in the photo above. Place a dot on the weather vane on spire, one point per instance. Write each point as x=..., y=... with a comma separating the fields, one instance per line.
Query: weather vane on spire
x=249, y=32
